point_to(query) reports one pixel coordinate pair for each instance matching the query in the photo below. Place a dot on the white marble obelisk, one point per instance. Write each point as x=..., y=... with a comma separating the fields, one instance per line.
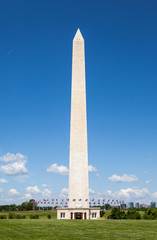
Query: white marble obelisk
x=78, y=205
x=78, y=163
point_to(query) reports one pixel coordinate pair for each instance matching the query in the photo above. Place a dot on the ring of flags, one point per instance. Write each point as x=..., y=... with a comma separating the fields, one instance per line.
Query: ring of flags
x=92, y=202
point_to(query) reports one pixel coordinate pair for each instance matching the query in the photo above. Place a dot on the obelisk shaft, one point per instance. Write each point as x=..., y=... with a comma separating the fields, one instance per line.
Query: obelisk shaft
x=78, y=169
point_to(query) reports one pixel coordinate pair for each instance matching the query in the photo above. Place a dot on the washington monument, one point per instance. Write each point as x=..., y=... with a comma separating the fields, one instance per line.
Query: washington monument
x=78, y=205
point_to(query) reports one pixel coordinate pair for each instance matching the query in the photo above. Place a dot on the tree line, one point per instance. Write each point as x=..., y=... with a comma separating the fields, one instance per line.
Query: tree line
x=25, y=206
x=133, y=213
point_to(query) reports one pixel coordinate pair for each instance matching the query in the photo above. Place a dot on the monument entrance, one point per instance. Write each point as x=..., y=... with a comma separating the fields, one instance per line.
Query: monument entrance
x=78, y=215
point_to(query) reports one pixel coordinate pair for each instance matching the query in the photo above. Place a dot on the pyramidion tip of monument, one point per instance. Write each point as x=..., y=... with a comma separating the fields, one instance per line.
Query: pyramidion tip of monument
x=78, y=36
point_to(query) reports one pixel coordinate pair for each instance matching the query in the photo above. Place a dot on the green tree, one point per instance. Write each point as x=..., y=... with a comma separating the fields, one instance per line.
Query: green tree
x=115, y=213
x=107, y=206
x=151, y=213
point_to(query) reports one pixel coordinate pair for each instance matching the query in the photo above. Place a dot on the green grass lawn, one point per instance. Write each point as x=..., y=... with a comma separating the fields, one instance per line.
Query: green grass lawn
x=43, y=228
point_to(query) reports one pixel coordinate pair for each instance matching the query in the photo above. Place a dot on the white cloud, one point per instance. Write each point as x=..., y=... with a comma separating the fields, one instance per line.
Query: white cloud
x=154, y=195
x=128, y=194
x=16, y=168
x=63, y=170
x=13, y=192
x=8, y=157
x=27, y=196
x=46, y=193
x=132, y=193
x=92, y=169
x=91, y=191
x=109, y=193
x=64, y=193
x=97, y=175
x=124, y=178
x=148, y=181
x=33, y=190
x=2, y=180
x=46, y=186
x=1, y=190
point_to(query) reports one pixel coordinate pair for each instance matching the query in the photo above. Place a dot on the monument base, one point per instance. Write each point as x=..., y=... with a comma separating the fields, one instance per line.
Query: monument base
x=78, y=213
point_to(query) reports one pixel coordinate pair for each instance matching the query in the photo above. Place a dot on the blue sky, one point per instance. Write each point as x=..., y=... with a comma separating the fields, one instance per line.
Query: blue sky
x=35, y=85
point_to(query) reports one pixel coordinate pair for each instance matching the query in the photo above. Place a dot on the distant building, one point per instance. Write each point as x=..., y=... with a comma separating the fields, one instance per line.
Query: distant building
x=123, y=206
x=144, y=205
x=153, y=204
x=137, y=205
x=131, y=205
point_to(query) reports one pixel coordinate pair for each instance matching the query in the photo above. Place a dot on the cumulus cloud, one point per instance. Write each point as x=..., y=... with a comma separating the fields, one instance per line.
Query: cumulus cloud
x=8, y=157
x=46, y=193
x=128, y=194
x=27, y=196
x=45, y=186
x=154, y=195
x=131, y=193
x=91, y=191
x=62, y=170
x=92, y=169
x=64, y=193
x=13, y=192
x=2, y=180
x=148, y=181
x=17, y=167
x=33, y=190
x=109, y=193
x=124, y=178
